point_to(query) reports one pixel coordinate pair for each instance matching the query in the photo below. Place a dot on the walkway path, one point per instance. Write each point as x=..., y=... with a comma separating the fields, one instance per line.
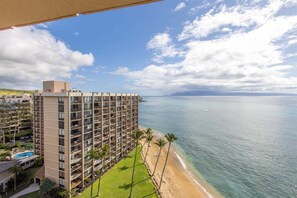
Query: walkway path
x=32, y=188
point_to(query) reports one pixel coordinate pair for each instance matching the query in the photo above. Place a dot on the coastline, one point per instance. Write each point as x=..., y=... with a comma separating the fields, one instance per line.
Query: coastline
x=178, y=178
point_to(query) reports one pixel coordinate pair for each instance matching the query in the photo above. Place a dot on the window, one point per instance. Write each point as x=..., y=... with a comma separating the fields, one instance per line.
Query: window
x=61, y=132
x=61, y=149
x=61, y=182
x=87, y=99
x=61, y=125
x=61, y=174
x=61, y=157
x=61, y=108
x=61, y=141
x=61, y=116
x=61, y=165
x=61, y=99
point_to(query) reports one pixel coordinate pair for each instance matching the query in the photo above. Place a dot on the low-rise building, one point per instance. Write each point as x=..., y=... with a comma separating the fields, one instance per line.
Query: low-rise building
x=15, y=116
x=5, y=174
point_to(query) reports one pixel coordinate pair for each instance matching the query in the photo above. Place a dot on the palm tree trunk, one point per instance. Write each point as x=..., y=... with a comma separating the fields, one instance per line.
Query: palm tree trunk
x=142, y=146
x=164, y=165
x=14, y=181
x=157, y=162
x=98, y=192
x=148, y=147
x=92, y=182
x=14, y=137
x=133, y=171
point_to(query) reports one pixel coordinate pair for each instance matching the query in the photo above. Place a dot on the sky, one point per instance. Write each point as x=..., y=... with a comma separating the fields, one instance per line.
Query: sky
x=161, y=48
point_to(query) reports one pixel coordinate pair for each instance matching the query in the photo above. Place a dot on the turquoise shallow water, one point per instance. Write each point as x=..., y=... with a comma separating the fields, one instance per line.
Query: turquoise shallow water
x=242, y=146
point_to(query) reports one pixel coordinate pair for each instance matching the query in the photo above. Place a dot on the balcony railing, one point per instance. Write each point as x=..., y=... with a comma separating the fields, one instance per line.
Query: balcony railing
x=75, y=176
x=73, y=161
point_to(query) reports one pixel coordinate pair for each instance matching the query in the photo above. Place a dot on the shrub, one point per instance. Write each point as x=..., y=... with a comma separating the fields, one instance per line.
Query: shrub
x=58, y=192
x=4, y=146
x=39, y=161
x=10, y=184
x=46, y=186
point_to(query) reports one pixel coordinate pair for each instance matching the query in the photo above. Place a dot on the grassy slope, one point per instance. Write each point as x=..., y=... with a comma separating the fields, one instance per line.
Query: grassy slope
x=116, y=182
x=14, y=92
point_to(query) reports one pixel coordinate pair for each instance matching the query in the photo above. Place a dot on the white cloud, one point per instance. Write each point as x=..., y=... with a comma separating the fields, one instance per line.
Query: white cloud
x=163, y=47
x=235, y=17
x=29, y=55
x=180, y=6
x=79, y=76
x=247, y=53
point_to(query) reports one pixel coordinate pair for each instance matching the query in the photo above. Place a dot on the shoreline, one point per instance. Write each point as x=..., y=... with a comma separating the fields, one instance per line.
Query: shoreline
x=178, y=179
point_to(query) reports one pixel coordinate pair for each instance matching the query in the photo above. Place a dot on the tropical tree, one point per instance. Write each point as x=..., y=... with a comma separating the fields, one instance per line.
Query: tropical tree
x=92, y=154
x=4, y=155
x=16, y=170
x=149, y=138
x=20, y=146
x=170, y=138
x=46, y=186
x=102, y=153
x=160, y=143
x=147, y=132
x=137, y=135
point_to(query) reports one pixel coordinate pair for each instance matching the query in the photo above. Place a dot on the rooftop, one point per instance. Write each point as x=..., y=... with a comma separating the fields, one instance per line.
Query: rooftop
x=6, y=165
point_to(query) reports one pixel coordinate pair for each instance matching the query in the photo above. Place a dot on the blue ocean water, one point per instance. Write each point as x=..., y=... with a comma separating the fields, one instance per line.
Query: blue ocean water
x=242, y=146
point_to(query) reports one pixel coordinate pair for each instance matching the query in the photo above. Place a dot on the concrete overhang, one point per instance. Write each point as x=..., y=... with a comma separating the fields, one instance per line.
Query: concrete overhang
x=15, y=13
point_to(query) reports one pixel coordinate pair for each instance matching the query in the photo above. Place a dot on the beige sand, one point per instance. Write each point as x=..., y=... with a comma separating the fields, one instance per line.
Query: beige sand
x=177, y=182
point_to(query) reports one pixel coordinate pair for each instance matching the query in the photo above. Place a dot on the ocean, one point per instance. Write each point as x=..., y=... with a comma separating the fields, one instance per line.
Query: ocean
x=241, y=146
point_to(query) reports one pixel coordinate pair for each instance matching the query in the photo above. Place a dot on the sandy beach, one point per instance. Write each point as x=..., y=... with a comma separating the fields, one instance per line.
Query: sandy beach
x=177, y=182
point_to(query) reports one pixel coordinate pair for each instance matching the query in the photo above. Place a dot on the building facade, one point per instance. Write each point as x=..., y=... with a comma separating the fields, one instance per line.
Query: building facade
x=15, y=117
x=68, y=124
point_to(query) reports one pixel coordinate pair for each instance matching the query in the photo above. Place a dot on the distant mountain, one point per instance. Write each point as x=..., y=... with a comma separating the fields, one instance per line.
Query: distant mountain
x=14, y=92
x=215, y=93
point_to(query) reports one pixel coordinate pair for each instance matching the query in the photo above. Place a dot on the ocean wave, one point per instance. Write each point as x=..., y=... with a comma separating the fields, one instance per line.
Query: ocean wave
x=186, y=169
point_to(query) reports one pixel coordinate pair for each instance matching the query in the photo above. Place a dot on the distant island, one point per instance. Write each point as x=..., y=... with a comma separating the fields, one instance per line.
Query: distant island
x=217, y=93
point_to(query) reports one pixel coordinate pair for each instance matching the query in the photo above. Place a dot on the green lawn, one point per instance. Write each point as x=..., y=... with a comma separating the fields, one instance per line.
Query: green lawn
x=31, y=195
x=25, y=183
x=116, y=182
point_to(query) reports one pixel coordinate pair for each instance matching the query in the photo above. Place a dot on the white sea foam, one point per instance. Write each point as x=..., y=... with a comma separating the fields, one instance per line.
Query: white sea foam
x=185, y=167
x=159, y=135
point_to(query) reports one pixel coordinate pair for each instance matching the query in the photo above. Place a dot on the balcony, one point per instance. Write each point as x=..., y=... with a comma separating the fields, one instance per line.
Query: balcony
x=75, y=133
x=75, y=160
x=75, y=142
x=77, y=175
x=74, y=184
x=75, y=150
x=75, y=167
x=75, y=116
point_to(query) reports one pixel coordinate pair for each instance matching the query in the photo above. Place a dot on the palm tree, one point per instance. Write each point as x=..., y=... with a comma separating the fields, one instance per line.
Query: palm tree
x=103, y=152
x=92, y=154
x=170, y=138
x=16, y=170
x=149, y=138
x=147, y=132
x=160, y=143
x=136, y=135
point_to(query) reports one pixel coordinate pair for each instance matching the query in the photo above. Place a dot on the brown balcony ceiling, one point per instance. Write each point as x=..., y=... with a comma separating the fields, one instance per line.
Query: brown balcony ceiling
x=27, y=12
